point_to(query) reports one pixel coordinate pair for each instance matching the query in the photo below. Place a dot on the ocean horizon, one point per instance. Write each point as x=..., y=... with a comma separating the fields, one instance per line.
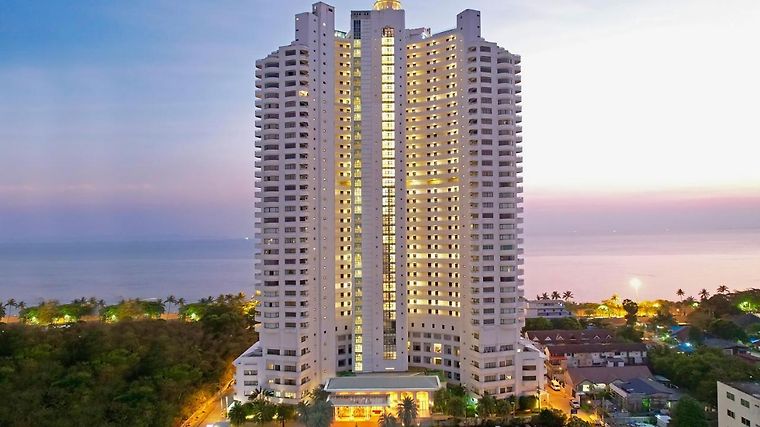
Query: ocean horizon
x=592, y=266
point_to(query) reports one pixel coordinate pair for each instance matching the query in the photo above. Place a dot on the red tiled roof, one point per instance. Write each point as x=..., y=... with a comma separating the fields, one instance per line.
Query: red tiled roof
x=571, y=336
x=606, y=375
x=557, y=349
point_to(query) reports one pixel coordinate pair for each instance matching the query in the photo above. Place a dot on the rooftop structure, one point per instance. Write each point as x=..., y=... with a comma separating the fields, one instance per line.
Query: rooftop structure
x=589, y=378
x=550, y=309
x=571, y=336
x=383, y=383
x=739, y=404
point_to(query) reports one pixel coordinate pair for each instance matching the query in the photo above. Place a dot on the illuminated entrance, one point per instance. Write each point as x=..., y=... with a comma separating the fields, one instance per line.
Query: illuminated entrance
x=366, y=397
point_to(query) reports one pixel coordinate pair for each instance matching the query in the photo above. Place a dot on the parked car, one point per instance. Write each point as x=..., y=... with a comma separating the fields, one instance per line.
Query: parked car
x=575, y=404
x=554, y=384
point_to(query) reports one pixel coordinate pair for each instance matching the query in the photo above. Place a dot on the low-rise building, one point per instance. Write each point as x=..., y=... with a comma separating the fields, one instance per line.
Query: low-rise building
x=366, y=397
x=571, y=336
x=585, y=348
x=247, y=371
x=731, y=348
x=548, y=308
x=643, y=395
x=738, y=404
x=590, y=379
x=616, y=354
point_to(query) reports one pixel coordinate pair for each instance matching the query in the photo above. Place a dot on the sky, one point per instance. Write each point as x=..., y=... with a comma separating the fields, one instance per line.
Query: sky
x=134, y=120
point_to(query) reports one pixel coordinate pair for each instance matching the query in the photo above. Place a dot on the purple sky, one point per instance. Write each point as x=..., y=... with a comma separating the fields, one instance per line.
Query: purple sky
x=134, y=120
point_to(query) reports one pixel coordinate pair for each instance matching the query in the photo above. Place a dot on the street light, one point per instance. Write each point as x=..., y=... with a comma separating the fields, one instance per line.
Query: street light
x=635, y=284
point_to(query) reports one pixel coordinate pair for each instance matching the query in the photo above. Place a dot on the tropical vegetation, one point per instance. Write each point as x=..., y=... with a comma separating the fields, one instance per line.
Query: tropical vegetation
x=139, y=372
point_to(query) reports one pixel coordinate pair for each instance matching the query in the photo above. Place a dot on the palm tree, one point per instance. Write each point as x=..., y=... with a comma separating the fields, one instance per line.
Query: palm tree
x=181, y=302
x=171, y=299
x=556, y=295
x=722, y=289
x=680, y=293
x=544, y=295
x=237, y=414
x=486, y=405
x=387, y=420
x=703, y=294
x=568, y=295
x=407, y=411
x=285, y=413
x=260, y=394
x=11, y=303
x=317, y=413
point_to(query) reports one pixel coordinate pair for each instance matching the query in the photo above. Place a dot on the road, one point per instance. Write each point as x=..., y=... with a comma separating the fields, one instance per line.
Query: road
x=210, y=411
x=216, y=415
x=561, y=400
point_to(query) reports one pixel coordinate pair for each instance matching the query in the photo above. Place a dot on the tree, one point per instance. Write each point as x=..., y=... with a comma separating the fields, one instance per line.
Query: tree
x=387, y=420
x=237, y=414
x=688, y=413
x=260, y=394
x=727, y=329
x=577, y=422
x=285, y=412
x=631, y=308
x=171, y=299
x=486, y=405
x=680, y=293
x=722, y=289
x=537, y=324
x=629, y=333
x=316, y=411
x=703, y=294
x=505, y=406
x=545, y=295
x=556, y=295
x=695, y=335
x=566, y=323
x=550, y=418
x=2, y=312
x=458, y=405
x=663, y=318
x=568, y=295
x=10, y=304
x=527, y=403
x=441, y=399
x=407, y=411
x=261, y=411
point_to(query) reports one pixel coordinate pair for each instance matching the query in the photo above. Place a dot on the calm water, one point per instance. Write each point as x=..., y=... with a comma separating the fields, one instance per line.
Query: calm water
x=110, y=271
x=592, y=267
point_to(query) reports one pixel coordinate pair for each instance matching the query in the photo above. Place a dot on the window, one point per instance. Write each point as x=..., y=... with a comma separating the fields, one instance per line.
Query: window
x=746, y=422
x=730, y=396
x=744, y=403
x=730, y=413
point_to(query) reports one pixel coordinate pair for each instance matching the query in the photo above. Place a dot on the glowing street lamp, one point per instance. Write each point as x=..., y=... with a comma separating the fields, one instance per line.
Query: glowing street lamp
x=635, y=284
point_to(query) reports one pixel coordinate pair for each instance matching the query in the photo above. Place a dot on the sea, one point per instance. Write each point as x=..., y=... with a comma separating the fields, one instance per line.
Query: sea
x=591, y=266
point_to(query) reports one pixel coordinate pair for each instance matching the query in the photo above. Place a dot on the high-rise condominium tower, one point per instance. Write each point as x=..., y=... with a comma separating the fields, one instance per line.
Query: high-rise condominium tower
x=388, y=206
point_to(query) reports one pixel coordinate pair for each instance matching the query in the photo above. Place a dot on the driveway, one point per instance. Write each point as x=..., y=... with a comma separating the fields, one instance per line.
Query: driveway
x=561, y=400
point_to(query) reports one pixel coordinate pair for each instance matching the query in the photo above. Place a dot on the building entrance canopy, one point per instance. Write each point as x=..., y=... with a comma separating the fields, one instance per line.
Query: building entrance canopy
x=369, y=400
x=382, y=383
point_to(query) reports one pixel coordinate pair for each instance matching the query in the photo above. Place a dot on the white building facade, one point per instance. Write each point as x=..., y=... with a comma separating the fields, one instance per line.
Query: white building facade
x=739, y=404
x=550, y=309
x=389, y=218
